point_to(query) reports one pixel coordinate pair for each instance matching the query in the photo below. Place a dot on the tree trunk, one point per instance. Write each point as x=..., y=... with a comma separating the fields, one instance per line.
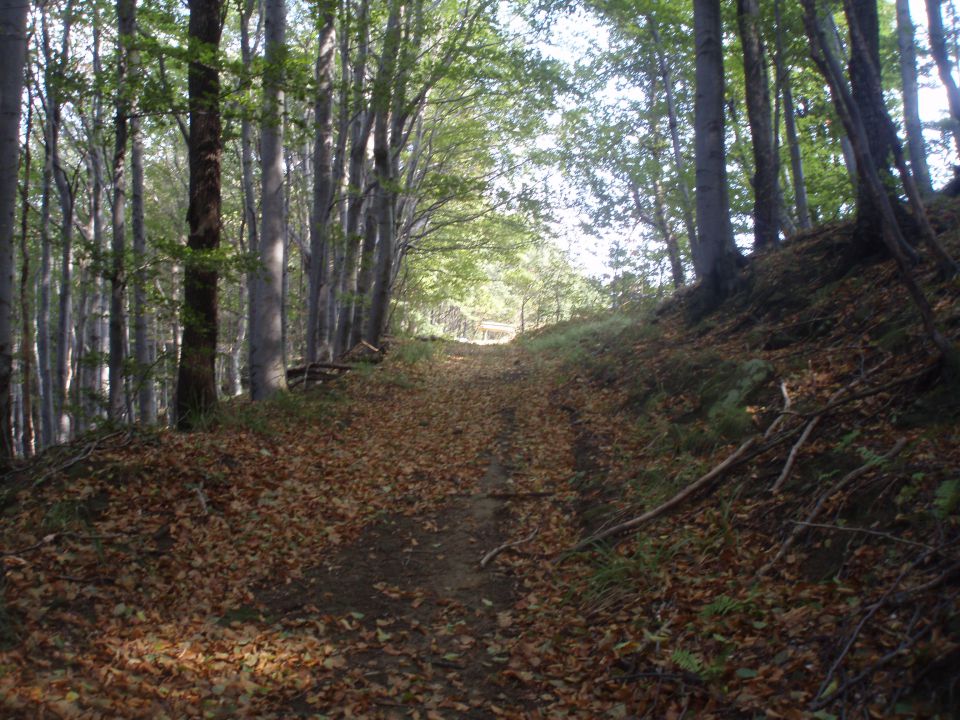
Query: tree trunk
x=718, y=256
x=365, y=277
x=790, y=125
x=765, y=161
x=13, y=46
x=126, y=10
x=146, y=397
x=850, y=114
x=267, y=372
x=674, y=125
x=246, y=156
x=938, y=48
x=48, y=428
x=911, y=103
x=196, y=378
x=322, y=182
x=27, y=443
x=863, y=14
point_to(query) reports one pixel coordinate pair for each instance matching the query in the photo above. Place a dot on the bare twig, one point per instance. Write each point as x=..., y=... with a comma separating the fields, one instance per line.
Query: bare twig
x=835, y=488
x=783, y=413
x=83, y=455
x=807, y=431
x=506, y=546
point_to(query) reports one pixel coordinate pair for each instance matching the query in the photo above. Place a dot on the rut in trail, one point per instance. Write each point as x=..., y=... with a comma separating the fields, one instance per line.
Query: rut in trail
x=428, y=632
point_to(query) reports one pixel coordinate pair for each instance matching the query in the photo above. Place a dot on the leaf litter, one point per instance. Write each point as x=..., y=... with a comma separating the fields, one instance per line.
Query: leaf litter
x=320, y=557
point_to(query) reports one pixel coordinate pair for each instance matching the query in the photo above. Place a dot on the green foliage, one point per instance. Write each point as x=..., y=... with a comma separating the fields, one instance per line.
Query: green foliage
x=947, y=498
x=413, y=352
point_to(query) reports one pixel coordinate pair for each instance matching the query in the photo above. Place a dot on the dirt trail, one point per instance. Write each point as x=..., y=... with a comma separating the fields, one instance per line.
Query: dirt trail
x=427, y=628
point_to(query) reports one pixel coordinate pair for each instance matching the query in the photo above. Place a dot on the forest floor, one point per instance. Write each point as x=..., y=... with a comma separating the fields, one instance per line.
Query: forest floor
x=395, y=544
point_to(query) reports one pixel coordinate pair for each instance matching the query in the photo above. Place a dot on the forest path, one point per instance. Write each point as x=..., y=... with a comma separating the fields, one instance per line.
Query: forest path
x=313, y=556
x=428, y=631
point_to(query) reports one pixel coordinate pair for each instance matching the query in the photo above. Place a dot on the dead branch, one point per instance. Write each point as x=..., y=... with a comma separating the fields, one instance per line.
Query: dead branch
x=506, y=546
x=783, y=413
x=832, y=490
x=86, y=452
x=865, y=531
x=636, y=522
x=807, y=431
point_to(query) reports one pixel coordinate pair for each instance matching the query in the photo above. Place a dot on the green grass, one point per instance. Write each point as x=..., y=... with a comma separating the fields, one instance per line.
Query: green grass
x=413, y=352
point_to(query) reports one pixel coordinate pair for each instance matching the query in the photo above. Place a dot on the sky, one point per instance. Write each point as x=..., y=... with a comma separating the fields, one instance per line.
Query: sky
x=571, y=40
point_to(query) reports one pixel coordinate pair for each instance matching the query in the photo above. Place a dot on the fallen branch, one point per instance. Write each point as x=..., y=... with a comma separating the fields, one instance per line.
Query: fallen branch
x=783, y=413
x=835, y=488
x=865, y=531
x=807, y=431
x=83, y=455
x=636, y=522
x=506, y=546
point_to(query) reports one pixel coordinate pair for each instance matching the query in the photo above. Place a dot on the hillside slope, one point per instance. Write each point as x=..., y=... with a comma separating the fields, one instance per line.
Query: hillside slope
x=419, y=539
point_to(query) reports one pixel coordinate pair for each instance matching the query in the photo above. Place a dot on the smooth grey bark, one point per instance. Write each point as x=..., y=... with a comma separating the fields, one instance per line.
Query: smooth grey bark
x=757, y=93
x=383, y=169
x=674, y=125
x=906, y=40
x=365, y=276
x=319, y=278
x=146, y=396
x=718, y=257
x=126, y=10
x=790, y=127
x=941, y=56
x=27, y=441
x=13, y=46
x=267, y=371
x=46, y=405
x=250, y=219
x=65, y=194
x=360, y=128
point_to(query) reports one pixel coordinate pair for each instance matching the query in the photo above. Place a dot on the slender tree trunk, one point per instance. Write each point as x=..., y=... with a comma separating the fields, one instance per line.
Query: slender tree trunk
x=196, y=377
x=48, y=426
x=365, y=277
x=26, y=334
x=322, y=181
x=906, y=39
x=938, y=48
x=674, y=124
x=267, y=371
x=246, y=156
x=718, y=256
x=765, y=161
x=146, y=397
x=126, y=10
x=790, y=126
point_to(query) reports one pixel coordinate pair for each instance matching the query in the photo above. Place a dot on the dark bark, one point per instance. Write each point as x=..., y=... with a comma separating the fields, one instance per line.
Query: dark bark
x=765, y=161
x=718, y=258
x=27, y=442
x=850, y=113
x=196, y=379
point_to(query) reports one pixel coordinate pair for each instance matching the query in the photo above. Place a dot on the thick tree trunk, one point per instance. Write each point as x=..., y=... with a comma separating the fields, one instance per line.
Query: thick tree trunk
x=126, y=10
x=322, y=183
x=718, y=256
x=365, y=277
x=938, y=48
x=765, y=161
x=916, y=145
x=196, y=378
x=267, y=372
x=790, y=126
x=863, y=14
x=13, y=46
